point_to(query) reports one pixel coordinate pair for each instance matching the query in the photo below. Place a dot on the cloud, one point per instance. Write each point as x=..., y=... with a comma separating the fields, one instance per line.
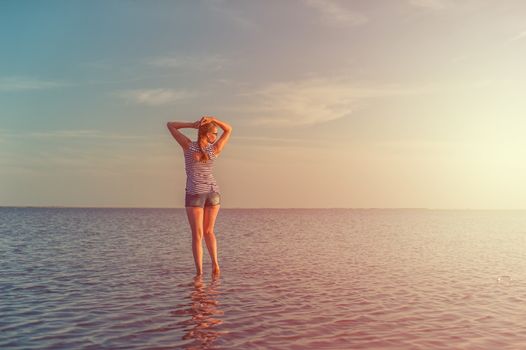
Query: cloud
x=155, y=97
x=518, y=36
x=429, y=4
x=439, y=5
x=207, y=63
x=309, y=102
x=68, y=134
x=267, y=139
x=335, y=14
x=230, y=14
x=97, y=152
x=24, y=83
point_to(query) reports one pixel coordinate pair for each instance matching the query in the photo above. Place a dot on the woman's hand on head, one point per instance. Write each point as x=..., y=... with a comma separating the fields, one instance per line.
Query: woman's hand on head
x=206, y=120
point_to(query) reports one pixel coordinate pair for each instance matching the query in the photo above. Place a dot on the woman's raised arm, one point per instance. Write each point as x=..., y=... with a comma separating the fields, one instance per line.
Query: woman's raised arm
x=221, y=142
x=179, y=136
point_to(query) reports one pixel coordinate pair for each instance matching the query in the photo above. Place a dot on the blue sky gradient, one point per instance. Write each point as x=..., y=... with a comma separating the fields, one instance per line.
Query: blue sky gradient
x=408, y=103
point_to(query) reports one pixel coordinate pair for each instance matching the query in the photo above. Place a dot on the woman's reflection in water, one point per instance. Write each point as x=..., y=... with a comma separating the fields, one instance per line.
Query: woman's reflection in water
x=202, y=309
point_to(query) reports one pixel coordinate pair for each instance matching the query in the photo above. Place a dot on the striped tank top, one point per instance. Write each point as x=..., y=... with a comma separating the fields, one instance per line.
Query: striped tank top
x=199, y=176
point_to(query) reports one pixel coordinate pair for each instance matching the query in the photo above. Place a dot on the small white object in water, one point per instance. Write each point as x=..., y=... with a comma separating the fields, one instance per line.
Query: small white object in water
x=503, y=279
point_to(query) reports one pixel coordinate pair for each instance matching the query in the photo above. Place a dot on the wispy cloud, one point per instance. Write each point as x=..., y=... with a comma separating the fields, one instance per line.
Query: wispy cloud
x=267, y=139
x=230, y=14
x=135, y=158
x=25, y=83
x=68, y=134
x=442, y=5
x=155, y=97
x=519, y=36
x=208, y=62
x=334, y=13
x=430, y=4
x=312, y=101
x=283, y=142
x=59, y=149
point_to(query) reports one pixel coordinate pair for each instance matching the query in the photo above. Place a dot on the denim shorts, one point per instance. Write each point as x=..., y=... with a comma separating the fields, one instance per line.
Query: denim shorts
x=202, y=199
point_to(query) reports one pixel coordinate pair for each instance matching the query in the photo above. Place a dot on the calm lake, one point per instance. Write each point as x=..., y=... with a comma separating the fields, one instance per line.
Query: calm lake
x=74, y=278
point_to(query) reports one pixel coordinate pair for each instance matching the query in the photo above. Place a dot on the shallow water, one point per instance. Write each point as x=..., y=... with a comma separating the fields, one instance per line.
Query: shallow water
x=291, y=279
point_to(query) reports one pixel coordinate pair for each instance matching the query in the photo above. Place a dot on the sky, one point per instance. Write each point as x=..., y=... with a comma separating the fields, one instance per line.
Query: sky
x=333, y=104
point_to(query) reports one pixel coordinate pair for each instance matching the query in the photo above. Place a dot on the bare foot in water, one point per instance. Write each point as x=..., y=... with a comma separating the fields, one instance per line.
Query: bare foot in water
x=216, y=271
x=198, y=280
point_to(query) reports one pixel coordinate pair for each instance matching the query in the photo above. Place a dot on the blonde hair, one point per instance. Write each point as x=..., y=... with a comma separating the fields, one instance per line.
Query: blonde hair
x=203, y=156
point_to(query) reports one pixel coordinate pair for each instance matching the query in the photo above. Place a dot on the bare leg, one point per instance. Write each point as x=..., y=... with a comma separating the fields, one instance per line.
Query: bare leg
x=195, y=218
x=210, y=215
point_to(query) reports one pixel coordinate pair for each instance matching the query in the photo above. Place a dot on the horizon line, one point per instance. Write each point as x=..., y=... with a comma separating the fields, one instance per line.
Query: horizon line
x=261, y=208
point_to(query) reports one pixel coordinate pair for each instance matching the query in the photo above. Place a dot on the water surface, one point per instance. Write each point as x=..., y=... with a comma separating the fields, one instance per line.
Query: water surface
x=73, y=278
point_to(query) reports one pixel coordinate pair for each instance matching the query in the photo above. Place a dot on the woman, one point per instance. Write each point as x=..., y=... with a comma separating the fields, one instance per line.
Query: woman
x=202, y=199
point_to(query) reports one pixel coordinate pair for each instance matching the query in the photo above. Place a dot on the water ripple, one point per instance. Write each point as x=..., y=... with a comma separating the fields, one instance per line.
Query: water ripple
x=292, y=279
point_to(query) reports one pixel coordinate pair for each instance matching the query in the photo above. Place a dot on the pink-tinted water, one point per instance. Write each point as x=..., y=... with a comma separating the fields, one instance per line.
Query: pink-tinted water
x=291, y=279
